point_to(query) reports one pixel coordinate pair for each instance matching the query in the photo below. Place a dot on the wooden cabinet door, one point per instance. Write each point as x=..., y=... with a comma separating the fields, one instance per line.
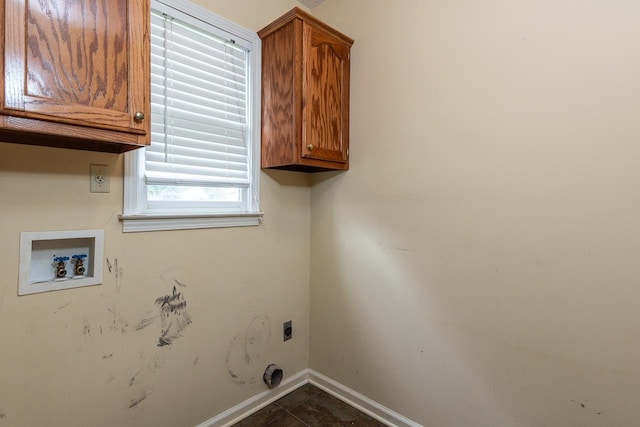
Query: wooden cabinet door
x=325, y=88
x=81, y=62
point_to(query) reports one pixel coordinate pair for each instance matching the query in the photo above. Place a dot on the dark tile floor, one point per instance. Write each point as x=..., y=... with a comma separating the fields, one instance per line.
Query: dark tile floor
x=308, y=406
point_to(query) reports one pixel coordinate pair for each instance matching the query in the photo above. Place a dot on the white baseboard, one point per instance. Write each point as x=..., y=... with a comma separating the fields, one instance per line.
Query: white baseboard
x=347, y=395
x=257, y=402
x=359, y=401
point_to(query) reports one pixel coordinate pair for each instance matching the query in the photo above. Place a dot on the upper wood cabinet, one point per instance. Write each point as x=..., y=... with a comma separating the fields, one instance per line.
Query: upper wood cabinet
x=305, y=94
x=76, y=73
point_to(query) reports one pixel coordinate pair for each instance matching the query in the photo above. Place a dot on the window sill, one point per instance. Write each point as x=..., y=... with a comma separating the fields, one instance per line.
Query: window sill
x=138, y=223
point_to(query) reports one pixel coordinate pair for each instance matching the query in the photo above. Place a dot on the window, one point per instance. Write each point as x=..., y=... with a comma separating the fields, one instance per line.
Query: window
x=201, y=168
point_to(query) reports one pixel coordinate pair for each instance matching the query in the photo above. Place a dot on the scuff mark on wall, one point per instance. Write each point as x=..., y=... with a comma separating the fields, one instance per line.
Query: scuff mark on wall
x=107, y=356
x=156, y=365
x=133, y=379
x=2, y=415
x=145, y=322
x=195, y=362
x=582, y=405
x=402, y=249
x=118, y=322
x=257, y=336
x=396, y=248
x=62, y=307
x=137, y=400
x=234, y=377
x=246, y=353
x=140, y=384
x=169, y=277
x=115, y=270
x=174, y=315
x=86, y=328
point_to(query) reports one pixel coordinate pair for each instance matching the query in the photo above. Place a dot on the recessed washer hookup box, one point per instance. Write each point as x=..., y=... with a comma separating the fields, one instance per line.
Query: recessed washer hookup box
x=54, y=260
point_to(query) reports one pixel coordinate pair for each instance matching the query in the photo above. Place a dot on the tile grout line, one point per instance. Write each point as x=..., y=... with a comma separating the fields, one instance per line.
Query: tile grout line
x=289, y=412
x=304, y=423
x=275, y=420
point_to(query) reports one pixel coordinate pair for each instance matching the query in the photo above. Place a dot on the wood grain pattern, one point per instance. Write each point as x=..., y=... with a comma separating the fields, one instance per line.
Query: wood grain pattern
x=77, y=52
x=279, y=94
x=77, y=65
x=2, y=46
x=297, y=13
x=51, y=134
x=325, y=110
x=305, y=95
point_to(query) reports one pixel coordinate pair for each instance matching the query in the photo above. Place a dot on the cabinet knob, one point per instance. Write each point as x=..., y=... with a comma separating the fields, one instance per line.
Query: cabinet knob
x=310, y=147
x=138, y=116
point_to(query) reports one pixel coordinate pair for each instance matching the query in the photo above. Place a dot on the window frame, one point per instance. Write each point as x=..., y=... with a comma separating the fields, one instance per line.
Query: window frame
x=135, y=217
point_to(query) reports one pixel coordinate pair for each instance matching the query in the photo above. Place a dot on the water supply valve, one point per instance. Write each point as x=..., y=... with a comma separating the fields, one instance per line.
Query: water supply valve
x=78, y=261
x=60, y=267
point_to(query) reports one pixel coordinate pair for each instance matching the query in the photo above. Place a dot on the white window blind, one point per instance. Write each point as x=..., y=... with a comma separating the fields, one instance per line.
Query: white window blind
x=198, y=107
x=202, y=167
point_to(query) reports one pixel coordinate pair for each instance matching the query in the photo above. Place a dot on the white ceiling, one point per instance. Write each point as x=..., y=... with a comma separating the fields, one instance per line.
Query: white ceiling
x=311, y=3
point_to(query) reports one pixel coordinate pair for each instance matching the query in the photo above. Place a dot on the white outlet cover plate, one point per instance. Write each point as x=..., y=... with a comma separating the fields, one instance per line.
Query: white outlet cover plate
x=99, y=178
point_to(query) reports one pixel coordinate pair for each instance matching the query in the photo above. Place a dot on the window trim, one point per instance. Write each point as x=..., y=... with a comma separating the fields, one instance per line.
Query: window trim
x=134, y=218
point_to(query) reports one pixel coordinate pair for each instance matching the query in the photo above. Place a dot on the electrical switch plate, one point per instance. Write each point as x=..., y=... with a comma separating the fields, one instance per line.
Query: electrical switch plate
x=99, y=178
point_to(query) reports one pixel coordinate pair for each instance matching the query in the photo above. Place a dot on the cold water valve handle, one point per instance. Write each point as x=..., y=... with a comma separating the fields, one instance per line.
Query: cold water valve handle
x=61, y=270
x=78, y=261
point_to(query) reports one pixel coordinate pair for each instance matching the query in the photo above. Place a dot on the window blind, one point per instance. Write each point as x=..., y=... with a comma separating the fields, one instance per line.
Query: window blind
x=198, y=107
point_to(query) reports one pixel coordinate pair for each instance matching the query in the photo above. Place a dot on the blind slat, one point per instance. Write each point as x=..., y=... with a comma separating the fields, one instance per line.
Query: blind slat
x=156, y=169
x=229, y=82
x=204, y=89
x=213, y=132
x=206, y=105
x=201, y=121
x=202, y=165
x=238, y=155
x=200, y=154
x=215, y=143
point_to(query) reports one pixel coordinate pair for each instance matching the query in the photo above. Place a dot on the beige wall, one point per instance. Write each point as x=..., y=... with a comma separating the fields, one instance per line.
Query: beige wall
x=478, y=265
x=76, y=358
